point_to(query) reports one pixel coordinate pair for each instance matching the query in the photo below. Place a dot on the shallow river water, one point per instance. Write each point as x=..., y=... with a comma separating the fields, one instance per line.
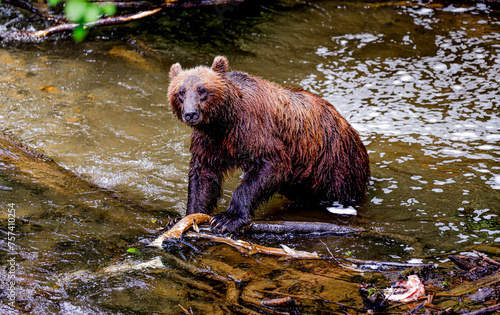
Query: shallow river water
x=419, y=83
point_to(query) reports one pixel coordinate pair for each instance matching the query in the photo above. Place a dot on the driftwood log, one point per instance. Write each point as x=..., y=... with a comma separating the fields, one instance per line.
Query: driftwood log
x=299, y=227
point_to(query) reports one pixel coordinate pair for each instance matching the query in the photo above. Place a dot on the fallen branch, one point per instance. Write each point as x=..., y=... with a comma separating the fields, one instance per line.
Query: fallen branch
x=238, y=309
x=180, y=227
x=283, y=227
x=71, y=26
x=199, y=285
x=416, y=309
x=374, y=265
x=463, y=262
x=176, y=262
x=486, y=258
x=152, y=9
x=285, y=301
x=252, y=249
x=476, y=267
x=184, y=310
x=248, y=248
x=256, y=303
x=486, y=310
x=10, y=148
x=473, y=286
x=307, y=297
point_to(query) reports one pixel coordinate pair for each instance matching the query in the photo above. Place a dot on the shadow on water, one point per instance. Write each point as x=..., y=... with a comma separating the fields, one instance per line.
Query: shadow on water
x=419, y=83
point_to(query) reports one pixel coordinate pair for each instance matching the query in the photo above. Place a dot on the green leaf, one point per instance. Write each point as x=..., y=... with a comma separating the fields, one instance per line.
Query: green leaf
x=133, y=250
x=79, y=33
x=53, y=3
x=75, y=10
x=92, y=14
x=109, y=9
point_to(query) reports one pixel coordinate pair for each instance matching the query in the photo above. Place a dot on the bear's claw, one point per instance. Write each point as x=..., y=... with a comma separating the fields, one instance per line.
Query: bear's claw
x=228, y=223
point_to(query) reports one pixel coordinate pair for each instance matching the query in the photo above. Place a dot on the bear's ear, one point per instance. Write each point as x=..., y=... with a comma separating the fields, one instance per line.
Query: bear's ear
x=220, y=65
x=175, y=70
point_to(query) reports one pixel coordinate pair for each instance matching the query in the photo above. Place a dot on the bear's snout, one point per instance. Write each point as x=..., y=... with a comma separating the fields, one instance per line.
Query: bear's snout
x=191, y=116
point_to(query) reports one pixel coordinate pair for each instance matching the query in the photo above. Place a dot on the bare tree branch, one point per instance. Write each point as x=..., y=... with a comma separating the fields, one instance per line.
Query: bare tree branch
x=101, y=22
x=152, y=9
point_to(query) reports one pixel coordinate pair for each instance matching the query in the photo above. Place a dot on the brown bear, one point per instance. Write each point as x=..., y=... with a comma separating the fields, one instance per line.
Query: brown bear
x=286, y=140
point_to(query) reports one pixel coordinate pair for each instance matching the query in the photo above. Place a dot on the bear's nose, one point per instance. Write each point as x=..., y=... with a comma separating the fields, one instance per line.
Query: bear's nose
x=191, y=115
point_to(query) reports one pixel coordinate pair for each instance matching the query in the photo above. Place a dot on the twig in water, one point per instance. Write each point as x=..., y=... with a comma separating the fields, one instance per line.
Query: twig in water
x=329, y=252
x=486, y=258
x=285, y=301
x=185, y=310
x=415, y=309
x=486, y=310
x=314, y=298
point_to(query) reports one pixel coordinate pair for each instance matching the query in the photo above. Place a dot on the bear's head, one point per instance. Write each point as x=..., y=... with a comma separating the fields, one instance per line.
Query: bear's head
x=198, y=95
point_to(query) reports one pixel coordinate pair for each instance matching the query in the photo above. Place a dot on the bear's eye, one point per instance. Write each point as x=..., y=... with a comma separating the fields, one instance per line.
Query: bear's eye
x=181, y=93
x=202, y=92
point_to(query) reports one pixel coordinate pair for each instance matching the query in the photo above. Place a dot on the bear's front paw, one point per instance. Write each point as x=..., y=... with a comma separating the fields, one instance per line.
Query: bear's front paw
x=228, y=222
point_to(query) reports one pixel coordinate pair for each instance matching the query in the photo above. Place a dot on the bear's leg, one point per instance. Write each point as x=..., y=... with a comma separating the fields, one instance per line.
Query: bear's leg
x=258, y=185
x=204, y=188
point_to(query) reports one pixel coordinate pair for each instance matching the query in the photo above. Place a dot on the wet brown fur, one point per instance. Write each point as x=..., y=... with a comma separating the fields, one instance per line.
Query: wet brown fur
x=286, y=140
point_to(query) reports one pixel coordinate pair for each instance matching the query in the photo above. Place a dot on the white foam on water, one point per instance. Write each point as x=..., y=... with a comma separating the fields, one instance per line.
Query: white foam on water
x=338, y=208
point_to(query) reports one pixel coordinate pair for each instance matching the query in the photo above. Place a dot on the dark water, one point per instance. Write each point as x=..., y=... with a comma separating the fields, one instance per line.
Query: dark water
x=419, y=83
